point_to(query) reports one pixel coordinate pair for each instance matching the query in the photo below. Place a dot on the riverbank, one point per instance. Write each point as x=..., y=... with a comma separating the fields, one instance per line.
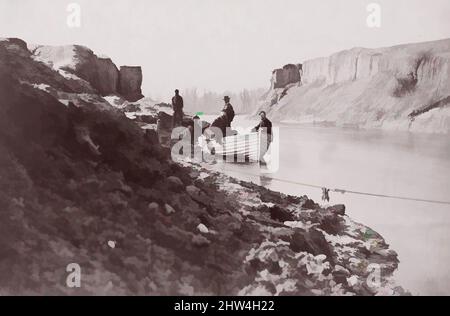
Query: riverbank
x=382, y=162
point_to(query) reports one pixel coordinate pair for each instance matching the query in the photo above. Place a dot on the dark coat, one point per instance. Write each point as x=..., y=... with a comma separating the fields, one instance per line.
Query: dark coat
x=264, y=124
x=222, y=123
x=177, y=104
x=228, y=108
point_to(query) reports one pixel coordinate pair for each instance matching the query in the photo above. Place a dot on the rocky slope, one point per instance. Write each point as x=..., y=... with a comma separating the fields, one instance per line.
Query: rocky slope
x=403, y=87
x=81, y=183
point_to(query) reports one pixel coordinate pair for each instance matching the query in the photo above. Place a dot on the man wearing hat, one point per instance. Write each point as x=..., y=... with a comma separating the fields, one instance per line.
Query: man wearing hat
x=228, y=108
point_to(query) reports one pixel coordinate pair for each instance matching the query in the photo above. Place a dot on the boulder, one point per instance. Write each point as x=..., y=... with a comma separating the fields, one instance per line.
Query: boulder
x=152, y=136
x=149, y=119
x=279, y=214
x=192, y=190
x=106, y=78
x=340, y=274
x=130, y=80
x=338, y=209
x=100, y=72
x=16, y=41
x=175, y=184
x=289, y=74
x=153, y=207
x=165, y=120
x=203, y=229
x=200, y=241
x=169, y=209
x=312, y=241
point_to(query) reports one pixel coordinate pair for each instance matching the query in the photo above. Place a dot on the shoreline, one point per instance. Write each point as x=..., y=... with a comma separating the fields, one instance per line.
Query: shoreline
x=353, y=248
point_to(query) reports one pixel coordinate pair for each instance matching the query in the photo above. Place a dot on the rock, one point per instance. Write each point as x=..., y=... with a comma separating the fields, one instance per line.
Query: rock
x=152, y=136
x=101, y=73
x=309, y=204
x=169, y=209
x=340, y=274
x=203, y=229
x=199, y=196
x=175, y=184
x=338, y=209
x=111, y=244
x=149, y=119
x=352, y=281
x=312, y=241
x=132, y=107
x=200, y=241
x=153, y=206
x=330, y=222
x=279, y=214
x=287, y=75
x=130, y=81
x=17, y=41
x=106, y=77
x=192, y=190
x=165, y=120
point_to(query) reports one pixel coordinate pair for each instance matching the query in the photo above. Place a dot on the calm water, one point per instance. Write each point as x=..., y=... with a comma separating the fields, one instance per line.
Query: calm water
x=394, y=163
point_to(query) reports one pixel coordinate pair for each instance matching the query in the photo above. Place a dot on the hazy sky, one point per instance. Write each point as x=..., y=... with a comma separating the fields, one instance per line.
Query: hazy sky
x=221, y=44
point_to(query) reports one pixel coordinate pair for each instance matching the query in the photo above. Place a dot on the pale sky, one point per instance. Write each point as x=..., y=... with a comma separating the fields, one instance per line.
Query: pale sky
x=221, y=44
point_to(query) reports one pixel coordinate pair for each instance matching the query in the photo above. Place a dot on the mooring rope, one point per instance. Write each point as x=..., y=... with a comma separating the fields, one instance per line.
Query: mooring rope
x=343, y=191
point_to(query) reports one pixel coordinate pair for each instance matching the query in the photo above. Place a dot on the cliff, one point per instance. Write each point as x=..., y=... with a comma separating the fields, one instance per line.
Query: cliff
x=80, y=63
x=130, y=83
x=81, y=183
x=403, y=87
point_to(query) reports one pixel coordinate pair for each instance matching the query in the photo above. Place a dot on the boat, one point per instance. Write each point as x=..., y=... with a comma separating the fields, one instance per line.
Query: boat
x=239, y=148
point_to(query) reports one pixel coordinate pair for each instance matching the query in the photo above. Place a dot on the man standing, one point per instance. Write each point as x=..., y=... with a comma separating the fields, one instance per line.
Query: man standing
x=265, y=127
x=264, y=124
x=228, y=108
x=177, y=105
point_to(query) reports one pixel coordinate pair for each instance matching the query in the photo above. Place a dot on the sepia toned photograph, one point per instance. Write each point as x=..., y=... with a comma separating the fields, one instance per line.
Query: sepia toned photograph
x=198, y=149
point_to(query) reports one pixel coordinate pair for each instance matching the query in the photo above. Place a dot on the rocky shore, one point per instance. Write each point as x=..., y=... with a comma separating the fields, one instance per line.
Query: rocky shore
x=83, y=182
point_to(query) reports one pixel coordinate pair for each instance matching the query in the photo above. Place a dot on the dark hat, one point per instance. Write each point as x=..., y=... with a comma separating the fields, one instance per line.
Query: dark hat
x=226, y=98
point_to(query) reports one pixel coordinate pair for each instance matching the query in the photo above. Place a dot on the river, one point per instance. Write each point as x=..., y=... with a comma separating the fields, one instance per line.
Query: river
x=381, y=162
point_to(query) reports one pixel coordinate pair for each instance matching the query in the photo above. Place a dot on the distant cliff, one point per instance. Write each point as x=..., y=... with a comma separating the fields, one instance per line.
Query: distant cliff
x=80, y=63
x=404, y=87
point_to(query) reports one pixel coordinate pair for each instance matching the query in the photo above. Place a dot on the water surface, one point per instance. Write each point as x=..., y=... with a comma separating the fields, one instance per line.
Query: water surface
x=393, y=163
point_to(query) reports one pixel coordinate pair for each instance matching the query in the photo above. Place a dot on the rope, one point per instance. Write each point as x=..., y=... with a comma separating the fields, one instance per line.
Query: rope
x=342, y=191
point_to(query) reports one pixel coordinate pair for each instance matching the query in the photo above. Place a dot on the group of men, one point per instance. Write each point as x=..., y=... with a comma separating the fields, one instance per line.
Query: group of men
x=223, y=122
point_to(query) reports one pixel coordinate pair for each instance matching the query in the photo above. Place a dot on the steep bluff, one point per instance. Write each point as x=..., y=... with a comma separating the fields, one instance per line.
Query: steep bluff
x=403, y=87
x=130, y=83
x=100, y=72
